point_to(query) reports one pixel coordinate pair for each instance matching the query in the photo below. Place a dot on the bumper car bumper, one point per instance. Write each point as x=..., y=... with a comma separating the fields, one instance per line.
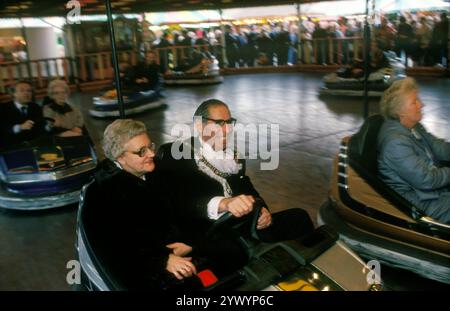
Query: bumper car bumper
x=420, y=260
x=193, y=79
x=13, y=201
x=133, y=104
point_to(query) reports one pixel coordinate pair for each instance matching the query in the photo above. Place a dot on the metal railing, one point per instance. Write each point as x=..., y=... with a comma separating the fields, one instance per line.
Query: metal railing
x=97, y=67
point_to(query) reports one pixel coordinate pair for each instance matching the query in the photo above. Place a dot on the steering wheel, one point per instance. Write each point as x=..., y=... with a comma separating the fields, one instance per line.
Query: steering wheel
x=49, y=121
x=228, y=220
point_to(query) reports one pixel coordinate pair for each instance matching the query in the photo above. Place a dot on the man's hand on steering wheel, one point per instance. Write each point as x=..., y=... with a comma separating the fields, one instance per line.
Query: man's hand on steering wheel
x=238, y=206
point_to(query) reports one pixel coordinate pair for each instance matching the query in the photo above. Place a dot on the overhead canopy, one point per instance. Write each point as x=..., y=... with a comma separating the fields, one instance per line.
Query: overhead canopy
x=334, y=8
x=27, y=8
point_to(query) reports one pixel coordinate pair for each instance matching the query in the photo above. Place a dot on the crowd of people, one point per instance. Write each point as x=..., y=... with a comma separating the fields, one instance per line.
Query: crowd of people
x=424, y=39
x=421, y=38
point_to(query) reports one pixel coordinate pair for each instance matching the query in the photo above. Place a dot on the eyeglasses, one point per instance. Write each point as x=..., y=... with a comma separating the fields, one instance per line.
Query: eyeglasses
x=143, y=151
x=230, y=121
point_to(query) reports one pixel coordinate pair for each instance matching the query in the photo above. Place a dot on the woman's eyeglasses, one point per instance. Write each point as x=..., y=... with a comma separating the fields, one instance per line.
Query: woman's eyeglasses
x=220, y=122
x=143, y=151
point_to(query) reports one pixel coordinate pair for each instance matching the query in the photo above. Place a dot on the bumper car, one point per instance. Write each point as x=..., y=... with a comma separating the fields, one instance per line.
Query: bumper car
x=344, y=82
x=208, y=72
x=315, y=262
x=375, y=221
x=134, y=102
x=45, y=173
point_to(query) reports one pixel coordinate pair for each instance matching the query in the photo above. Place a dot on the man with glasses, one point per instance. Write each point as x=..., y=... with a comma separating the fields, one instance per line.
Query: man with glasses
x=213, y=180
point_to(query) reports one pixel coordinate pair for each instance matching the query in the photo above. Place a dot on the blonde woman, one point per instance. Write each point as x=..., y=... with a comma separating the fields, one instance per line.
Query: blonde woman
x=410, y=159
x=68, y=120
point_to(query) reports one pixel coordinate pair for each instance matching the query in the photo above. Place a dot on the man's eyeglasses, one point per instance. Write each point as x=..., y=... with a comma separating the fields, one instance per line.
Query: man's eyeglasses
x=143, y=151
x=230, y=121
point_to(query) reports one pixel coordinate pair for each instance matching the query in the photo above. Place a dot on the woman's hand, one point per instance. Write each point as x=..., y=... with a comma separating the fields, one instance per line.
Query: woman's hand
x=264, y=220
x=69, y=133
x=181, y=267
x=77, y=130
x=56, y=122
x=180, y=249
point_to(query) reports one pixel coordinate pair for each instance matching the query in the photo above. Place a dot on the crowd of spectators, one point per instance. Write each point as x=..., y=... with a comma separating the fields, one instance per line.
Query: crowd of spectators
x=420, y=39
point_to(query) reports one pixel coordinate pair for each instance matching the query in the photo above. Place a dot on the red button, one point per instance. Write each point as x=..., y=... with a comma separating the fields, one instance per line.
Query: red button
x=207, y=277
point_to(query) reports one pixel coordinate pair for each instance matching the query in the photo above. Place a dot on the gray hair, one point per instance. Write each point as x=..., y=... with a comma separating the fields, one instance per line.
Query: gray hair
x=393, y=98
x=118, y=133
x=57, y=83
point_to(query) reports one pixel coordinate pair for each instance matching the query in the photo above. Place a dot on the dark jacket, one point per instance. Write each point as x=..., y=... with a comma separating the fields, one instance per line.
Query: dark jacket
x=197, y=188
x=10, y=116
x=149, y=71
x=130, y=221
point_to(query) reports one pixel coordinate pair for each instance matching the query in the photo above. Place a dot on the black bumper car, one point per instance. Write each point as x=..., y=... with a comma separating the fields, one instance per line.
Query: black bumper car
x=375, y=221
x=207, y=72
x=346, y=82
x=135, y=101
x=45, y=173
x=316, y=262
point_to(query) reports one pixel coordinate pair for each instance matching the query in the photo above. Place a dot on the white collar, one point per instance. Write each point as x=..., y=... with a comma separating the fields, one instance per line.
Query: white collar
x=223, y=160
x=20, y=106
x=209, y=153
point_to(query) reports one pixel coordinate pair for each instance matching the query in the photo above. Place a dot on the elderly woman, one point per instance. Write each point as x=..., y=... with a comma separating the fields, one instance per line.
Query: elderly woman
x=68, y=120
x=410, y=159
x=134, y=218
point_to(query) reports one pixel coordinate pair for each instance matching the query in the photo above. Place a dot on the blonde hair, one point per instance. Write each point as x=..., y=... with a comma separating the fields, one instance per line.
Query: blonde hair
x=118, y=133
x=393, y=97
x=57, y=83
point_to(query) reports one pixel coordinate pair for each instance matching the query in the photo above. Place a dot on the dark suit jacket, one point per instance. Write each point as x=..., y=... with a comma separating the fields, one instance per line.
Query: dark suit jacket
x=129, y=221
x=149, y=71
x=197, y=188
x=10, y=116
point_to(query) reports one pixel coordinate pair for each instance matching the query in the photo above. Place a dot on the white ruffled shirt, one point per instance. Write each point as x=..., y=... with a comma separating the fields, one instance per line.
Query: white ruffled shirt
x=224, y=161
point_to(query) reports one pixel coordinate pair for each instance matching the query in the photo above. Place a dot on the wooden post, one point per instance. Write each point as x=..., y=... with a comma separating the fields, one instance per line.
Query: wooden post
x=316, y=60
x=82, y=64
x=300, y=52
x=39, y=74
x=101, y=72
x=2, y=83
x=65, y=69
x=330, y=51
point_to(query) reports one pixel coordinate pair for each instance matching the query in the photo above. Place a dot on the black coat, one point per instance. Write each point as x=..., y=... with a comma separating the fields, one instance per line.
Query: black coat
x=196, y=187
x=129, y=222
x=149, y=71
x=10, y=116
